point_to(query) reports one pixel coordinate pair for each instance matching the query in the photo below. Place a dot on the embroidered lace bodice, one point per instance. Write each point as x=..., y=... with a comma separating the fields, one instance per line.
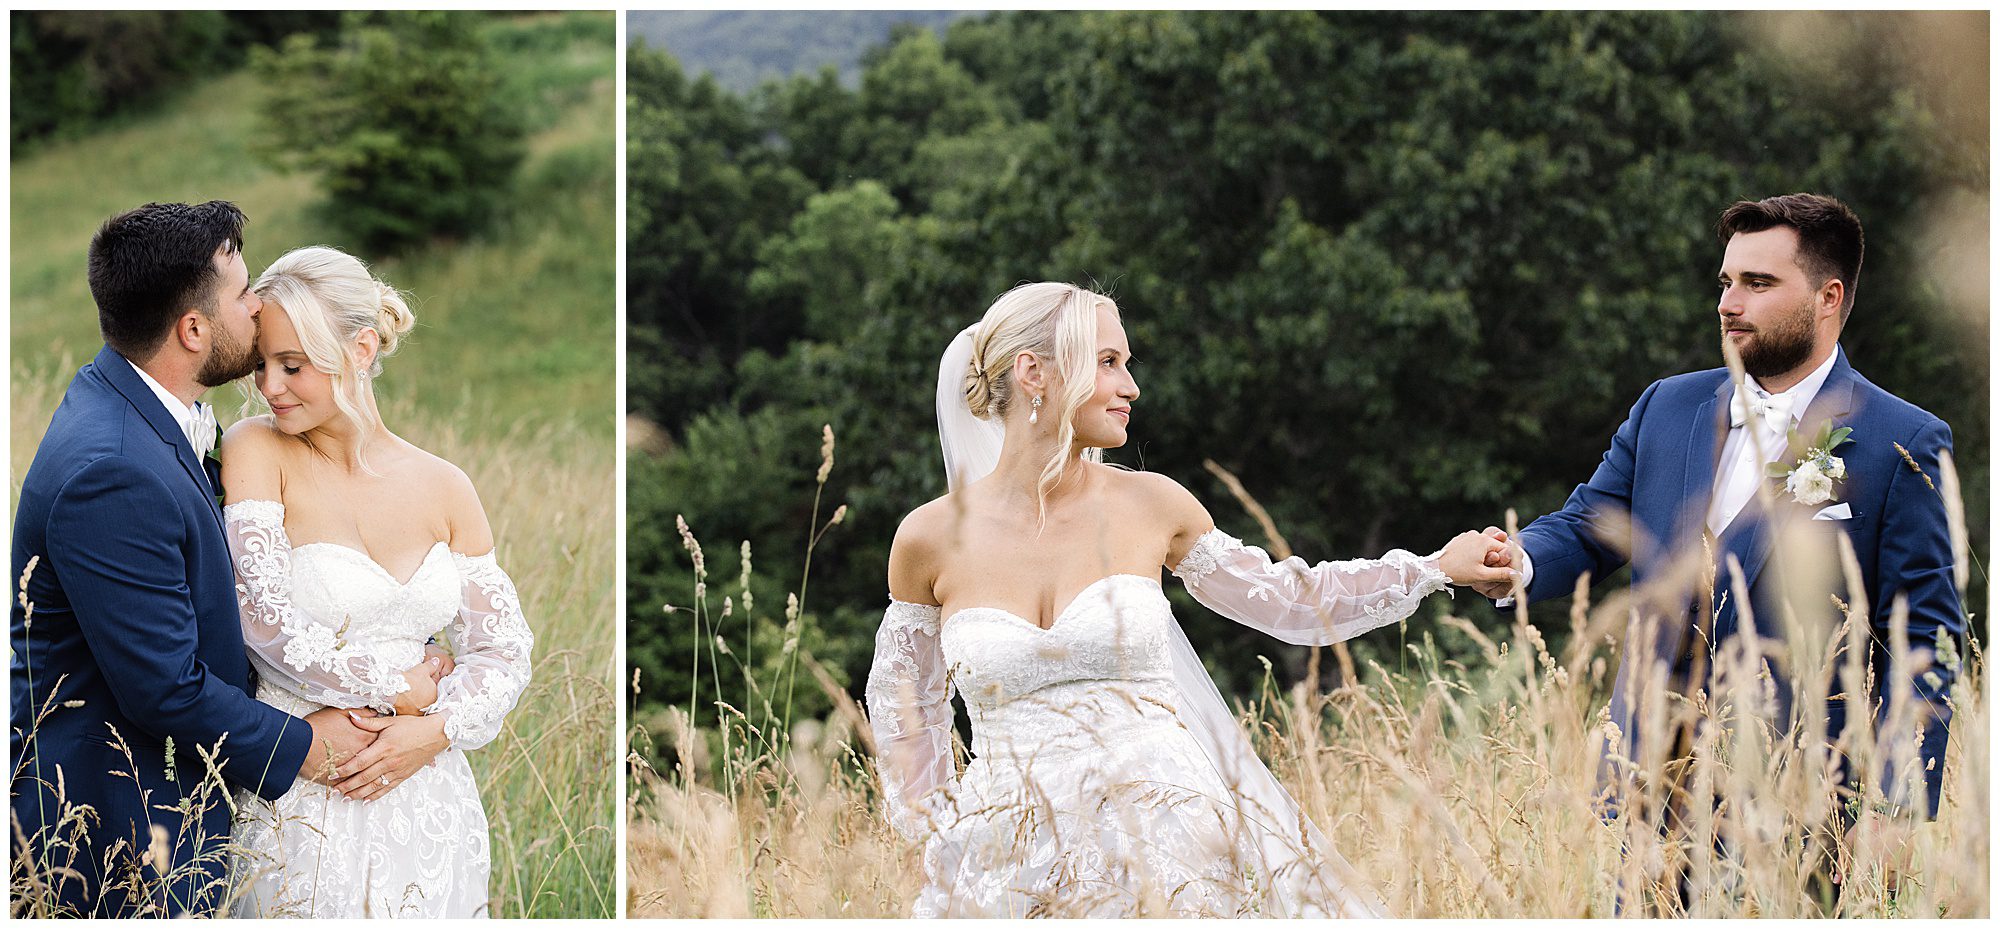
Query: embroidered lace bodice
x=1084, y=773
x=327, y=625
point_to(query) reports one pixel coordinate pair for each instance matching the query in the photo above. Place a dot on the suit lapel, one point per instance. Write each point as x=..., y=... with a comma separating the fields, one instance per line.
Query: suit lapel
x=120, y=374
x=1711, y=423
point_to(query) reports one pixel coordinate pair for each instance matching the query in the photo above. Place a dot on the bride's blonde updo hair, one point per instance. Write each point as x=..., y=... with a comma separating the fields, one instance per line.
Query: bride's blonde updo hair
x=330, y=297
x=1058, y=323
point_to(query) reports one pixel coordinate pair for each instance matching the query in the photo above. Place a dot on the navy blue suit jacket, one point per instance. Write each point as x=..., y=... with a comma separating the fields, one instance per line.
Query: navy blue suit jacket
x=1660, y=471
x=134, y=619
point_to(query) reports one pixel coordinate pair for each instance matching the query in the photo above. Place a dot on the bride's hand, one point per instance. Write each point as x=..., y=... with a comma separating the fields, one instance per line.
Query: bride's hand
x=1477, y=559
x=423, y=689
x=403, y=745
x=440, y=661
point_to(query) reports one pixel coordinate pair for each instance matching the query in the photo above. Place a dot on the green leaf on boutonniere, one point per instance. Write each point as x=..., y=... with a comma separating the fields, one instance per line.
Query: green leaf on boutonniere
x=1811, y=473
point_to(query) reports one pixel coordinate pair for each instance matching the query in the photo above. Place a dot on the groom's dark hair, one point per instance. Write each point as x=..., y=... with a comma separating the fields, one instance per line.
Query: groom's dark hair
x=1829, y=235
x=149, y=265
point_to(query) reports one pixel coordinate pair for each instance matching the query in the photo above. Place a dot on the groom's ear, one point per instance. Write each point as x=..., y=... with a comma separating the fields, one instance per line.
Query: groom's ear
x=190, y=331
x=1831, y=295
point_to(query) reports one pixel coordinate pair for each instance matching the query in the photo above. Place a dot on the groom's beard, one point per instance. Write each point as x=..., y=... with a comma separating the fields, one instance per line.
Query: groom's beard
x=1780, y=347
x=227, y=360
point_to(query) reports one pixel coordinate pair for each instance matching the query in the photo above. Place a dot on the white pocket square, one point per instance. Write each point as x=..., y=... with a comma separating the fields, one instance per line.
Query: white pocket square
x=1836, y=511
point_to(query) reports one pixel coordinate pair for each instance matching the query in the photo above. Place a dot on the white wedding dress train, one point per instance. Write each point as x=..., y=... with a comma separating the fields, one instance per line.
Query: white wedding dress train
x=328, y=626
x=1107, y=777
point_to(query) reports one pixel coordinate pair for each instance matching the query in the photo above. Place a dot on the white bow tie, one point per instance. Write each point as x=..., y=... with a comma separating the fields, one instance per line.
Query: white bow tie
x=201, y=430
x=1774, y=411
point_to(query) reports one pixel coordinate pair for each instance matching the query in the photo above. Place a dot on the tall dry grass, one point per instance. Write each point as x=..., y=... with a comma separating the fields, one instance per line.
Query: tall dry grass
x=1457, y=789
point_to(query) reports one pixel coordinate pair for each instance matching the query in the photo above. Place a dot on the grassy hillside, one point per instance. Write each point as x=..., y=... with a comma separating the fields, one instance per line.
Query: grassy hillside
x=510, y=374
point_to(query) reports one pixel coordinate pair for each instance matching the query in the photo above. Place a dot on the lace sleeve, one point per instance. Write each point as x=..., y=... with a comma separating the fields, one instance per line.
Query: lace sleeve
x=909, y=709
x=491, y=642
x=297, y=652
x=1318, y=605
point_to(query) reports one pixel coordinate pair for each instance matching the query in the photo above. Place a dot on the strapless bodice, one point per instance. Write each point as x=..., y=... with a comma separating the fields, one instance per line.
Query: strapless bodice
x=1101, y=668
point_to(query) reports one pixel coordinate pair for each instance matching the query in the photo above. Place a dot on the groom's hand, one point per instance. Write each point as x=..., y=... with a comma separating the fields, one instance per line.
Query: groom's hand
x=335, y=739
x=1502, y=557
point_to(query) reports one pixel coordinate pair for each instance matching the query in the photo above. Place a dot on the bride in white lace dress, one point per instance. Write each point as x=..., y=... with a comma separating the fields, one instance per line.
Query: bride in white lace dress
x=1108, y=778
x=352, y=549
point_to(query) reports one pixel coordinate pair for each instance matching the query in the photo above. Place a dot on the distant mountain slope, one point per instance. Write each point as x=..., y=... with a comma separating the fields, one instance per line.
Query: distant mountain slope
x=745, y=48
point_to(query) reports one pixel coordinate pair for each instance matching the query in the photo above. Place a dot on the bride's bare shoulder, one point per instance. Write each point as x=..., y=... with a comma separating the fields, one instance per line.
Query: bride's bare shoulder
x=918, y=548
x=1167, y=506
x=1157, y=493
x=470, y=531
x=253, y=453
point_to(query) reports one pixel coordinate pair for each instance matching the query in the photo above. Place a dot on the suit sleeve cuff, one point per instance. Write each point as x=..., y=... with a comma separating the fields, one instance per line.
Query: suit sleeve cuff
x=288, y=758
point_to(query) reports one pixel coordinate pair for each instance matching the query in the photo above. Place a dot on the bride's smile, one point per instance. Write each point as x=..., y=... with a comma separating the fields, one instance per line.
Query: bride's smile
x=1103, y=420
x=300, y=395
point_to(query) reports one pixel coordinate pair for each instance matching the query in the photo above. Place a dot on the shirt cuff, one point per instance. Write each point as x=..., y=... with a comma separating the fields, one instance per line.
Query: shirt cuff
x=1527, y=577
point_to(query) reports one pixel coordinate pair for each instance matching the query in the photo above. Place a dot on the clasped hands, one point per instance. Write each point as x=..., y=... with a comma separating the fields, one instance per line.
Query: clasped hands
x=363, y=754
x=1483, y=561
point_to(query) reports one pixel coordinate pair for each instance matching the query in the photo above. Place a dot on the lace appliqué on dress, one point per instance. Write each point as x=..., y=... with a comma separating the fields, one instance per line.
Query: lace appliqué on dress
x=422, y=849
x=1206, y=555
x=1091, y=791
x=311, y=658
x=491, y=644
x=1306, y=605
x=909, y=711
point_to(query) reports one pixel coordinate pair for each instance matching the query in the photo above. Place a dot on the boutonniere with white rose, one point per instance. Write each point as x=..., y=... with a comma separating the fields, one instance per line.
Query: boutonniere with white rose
x=1810, y=476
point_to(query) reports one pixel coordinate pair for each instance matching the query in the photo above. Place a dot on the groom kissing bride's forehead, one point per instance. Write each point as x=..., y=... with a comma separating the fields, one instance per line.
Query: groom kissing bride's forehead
x=131, y=689
x=163, y=264
x=1719, y=469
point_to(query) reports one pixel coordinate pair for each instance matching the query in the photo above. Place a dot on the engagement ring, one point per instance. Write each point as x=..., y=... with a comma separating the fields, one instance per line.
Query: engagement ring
x=385, y=780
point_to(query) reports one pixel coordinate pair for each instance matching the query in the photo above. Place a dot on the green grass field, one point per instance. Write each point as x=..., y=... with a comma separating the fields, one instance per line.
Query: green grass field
x=510, y=374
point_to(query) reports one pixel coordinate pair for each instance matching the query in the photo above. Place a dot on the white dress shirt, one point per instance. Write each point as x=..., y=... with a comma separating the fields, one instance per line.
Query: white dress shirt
x=197, y=425
x=1739, y=469
x=182, y=414
x=1736, y=471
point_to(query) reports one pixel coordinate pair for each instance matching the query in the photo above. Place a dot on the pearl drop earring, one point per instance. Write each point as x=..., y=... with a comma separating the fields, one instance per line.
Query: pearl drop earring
x=1036, y=413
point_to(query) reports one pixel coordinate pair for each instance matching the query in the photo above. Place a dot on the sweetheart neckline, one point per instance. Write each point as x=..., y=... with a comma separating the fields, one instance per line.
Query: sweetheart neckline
x=1060, y=614
x=370, y=559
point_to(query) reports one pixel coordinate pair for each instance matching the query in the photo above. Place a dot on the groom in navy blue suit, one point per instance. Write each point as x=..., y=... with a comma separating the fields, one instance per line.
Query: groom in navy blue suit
x=132, y=699
x=1681, y=483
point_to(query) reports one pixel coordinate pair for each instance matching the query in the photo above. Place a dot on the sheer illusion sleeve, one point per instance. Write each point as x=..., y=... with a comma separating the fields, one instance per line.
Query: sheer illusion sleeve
x=1306, y=605
x=490, y=642
x=299, y=653
x=909, y=709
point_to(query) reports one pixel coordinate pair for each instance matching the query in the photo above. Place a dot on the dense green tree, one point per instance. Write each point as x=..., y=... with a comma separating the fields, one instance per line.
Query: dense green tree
x=1397, y=271
x=704, y=190
x=69, y=69
x=402, y=119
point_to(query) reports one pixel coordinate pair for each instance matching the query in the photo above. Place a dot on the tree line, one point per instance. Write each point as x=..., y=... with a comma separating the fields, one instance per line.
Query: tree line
x=1398, y=272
